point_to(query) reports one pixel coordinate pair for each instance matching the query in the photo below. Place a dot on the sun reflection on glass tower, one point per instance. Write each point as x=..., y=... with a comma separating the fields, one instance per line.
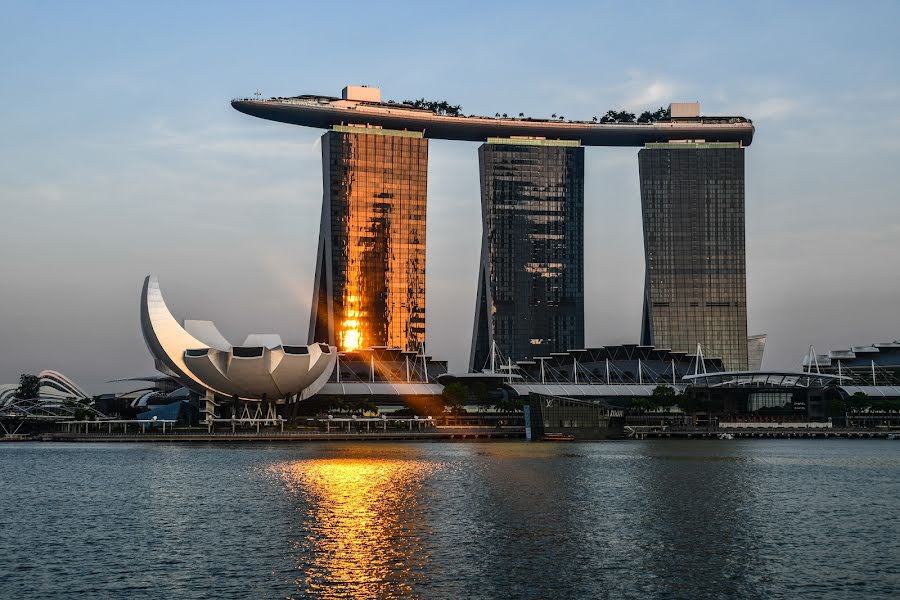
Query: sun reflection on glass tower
x=692, y=197
x=370, y=272
x=530, y=297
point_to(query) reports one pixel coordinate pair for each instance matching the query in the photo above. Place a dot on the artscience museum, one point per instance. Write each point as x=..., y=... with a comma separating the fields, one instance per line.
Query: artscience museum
x=261, y=370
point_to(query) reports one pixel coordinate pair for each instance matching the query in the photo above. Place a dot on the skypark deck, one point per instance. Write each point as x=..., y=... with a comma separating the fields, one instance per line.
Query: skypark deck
x=325, y=112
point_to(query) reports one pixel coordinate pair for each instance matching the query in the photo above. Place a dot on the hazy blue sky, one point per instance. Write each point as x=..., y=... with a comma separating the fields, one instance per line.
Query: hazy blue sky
x=120, y=156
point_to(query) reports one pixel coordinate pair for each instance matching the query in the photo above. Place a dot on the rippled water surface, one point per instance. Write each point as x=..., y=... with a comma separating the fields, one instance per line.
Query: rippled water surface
x=650, y=519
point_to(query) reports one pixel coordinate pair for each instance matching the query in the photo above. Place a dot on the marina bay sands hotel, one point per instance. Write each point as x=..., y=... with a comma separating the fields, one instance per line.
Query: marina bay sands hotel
x=370, y=275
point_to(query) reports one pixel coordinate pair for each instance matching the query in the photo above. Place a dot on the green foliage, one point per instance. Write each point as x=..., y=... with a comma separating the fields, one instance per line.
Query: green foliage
x=836, y=407
x=885, y=404
x=689, y=403
x=479, y=393
x=341, y=405
x=455, y=396
x=663, y=396
x=642, y=404
x=858, y=402
x=651, y=117
x=508, y=404
x=82, y=415
x=441, y=107
x=29, y=387
x=618, y=116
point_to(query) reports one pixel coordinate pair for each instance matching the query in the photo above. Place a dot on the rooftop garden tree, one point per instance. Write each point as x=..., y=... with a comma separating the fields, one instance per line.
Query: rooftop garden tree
x=651, y=117
x=618, y=116
x=440, y=107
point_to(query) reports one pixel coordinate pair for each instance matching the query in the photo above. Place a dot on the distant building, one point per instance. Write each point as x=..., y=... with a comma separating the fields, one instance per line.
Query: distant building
x=875, y=365
x=695, y=292
x=530, y=296
x=579, y=419
x=370, y=272
x=756, y=347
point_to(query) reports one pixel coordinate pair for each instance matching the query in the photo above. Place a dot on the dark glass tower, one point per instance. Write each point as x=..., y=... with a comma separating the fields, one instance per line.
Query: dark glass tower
x=692, y=196
x=370, y=272
x=531, y=281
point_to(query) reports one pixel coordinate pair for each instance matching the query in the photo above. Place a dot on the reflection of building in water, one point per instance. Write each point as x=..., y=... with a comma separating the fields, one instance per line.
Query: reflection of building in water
x=370, y=271
x=362, y=533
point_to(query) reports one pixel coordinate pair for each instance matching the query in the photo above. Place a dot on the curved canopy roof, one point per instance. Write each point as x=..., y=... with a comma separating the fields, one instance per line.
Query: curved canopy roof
x=777, y=379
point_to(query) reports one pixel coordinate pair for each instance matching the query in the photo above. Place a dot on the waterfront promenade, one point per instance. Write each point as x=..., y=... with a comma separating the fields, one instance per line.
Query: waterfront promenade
x=445, y=434
x=202, y=435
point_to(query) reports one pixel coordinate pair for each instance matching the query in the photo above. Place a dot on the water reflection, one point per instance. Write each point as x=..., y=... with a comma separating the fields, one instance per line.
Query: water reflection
x=361, y=525
x=694, y=506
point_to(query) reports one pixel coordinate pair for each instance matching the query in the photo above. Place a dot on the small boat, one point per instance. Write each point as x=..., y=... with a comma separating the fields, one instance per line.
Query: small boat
x=558, y=437
x=725, y=436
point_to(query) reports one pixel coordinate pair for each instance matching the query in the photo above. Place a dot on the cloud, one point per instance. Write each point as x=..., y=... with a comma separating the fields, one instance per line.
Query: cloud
x=771, y=108
x=637, y=92
x=651, y=93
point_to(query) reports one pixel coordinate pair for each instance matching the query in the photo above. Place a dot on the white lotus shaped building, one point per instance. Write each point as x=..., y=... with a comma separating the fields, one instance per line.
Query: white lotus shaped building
x=263, y=368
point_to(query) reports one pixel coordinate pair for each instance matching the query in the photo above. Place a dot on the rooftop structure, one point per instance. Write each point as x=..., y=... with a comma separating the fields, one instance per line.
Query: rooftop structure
x=873, y=365
x=360, y=105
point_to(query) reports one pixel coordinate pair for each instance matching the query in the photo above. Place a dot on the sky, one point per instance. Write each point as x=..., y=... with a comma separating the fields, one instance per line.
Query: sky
x=120, y=156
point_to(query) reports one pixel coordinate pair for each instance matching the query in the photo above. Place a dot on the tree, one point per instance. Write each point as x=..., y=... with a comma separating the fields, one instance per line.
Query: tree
x=455, y=396
x=689, y=403
x=29, y=387
x=642, y=404
x=663, y=396
x=441, y=107
x=521, y=115
x=618, y=116
x=656, y=115
x=479, y=392
x=507, y=403
x=858, y=402
x=660, y=114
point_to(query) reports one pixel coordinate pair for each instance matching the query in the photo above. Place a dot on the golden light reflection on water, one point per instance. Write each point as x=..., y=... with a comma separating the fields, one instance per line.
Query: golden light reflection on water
x=362, y=521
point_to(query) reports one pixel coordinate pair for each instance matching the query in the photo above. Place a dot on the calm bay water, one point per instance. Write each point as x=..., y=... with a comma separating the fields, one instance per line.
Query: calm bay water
x=642, y=519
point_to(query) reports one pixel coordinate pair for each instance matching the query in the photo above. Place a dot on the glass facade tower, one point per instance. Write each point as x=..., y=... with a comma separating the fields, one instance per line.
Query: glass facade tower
x=530, y=297
x=692, y=199
x=370, y=271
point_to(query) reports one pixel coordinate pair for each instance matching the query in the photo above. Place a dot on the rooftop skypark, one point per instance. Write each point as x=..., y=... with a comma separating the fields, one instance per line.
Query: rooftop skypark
x=438, y=119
